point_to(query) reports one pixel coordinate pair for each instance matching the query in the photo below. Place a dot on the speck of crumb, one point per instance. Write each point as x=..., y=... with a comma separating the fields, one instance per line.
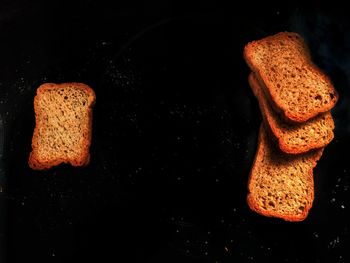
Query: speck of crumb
x=333, y=243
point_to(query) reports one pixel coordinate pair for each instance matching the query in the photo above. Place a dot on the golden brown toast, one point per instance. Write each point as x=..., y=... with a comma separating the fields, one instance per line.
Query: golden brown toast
x=62, y=134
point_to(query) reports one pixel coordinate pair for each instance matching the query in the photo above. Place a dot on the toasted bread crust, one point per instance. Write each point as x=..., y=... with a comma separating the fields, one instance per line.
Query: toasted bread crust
x=263, y=143
x=283, y=131
x=34, y=161
x=278, y=103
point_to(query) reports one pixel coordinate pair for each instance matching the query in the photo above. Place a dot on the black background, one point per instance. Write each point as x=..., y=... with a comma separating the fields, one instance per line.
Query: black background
x=174, y=134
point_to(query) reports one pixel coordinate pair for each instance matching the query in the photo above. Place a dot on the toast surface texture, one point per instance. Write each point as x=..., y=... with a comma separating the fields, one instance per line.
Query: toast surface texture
x=295, y=85
x=281, y=185
x=294, y=138
x=63, y=125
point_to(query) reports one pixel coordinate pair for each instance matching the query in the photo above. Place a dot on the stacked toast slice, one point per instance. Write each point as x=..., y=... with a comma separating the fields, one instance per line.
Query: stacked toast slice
x=295, y=98
x=294, y=138
x=281, y=185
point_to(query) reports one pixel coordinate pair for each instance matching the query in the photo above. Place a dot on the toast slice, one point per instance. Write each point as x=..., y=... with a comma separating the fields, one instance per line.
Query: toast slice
x=294, y=138
x=296, y=86
x=63, y=117
x=281, y=185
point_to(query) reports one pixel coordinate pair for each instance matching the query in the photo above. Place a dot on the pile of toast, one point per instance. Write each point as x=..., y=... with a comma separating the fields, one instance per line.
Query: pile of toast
x=295, y=99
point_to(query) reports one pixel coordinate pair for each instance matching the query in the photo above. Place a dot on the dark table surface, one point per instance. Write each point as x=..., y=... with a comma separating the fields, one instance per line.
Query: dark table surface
x=174, y=134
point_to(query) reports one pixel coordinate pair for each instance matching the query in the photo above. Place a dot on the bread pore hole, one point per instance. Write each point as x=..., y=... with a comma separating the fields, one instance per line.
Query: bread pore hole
x=271, y=204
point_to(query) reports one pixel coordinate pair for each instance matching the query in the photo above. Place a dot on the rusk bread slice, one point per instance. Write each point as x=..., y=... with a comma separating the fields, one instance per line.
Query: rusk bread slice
x=296, y=86
x=62, y=134
x=294, y=138
x=281, y=185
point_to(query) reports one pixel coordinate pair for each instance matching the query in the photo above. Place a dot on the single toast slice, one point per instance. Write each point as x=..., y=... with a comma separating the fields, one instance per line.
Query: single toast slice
x=297, y=87
x=281, y=185
x=62, y=134
x=294, y=138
